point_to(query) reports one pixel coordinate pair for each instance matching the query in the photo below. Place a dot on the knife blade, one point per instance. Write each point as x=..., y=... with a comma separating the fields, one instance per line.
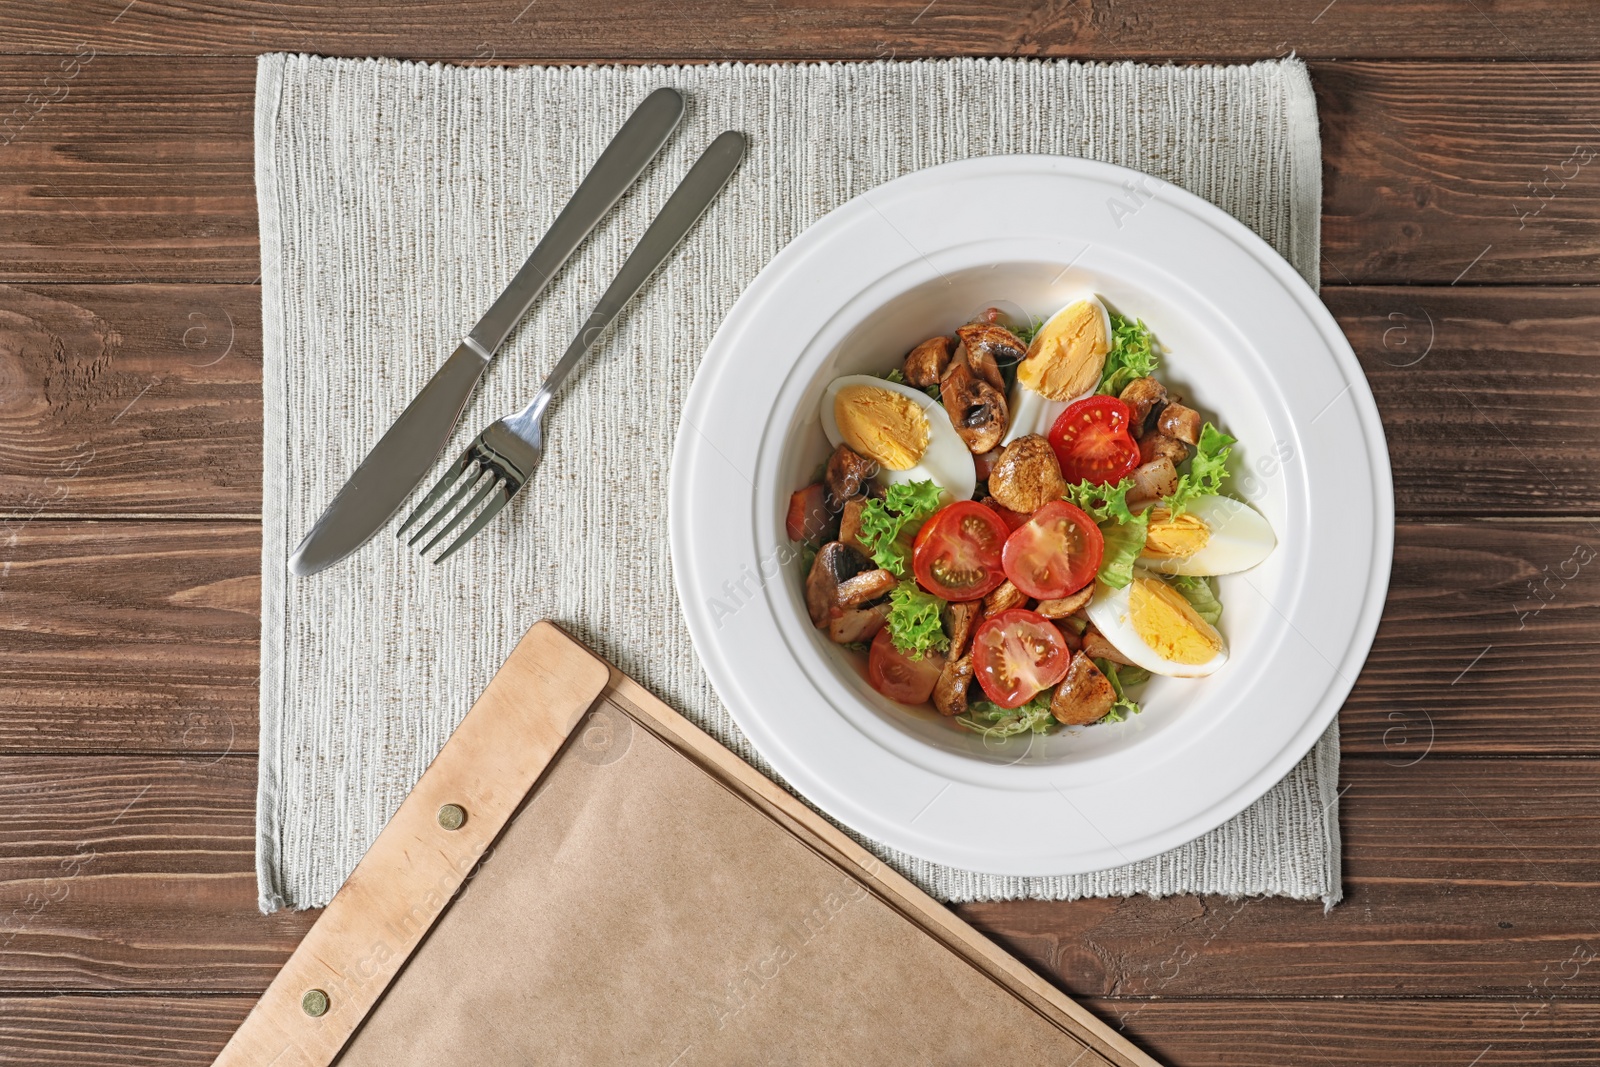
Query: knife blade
x=404, y=454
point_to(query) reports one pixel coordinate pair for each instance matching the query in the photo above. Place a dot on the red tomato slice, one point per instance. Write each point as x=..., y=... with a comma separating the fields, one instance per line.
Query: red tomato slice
x=1017, y=653
x=1092, y=442
x=1056, y=553
x=808, y=517
x=897, y=675
x=956, y=555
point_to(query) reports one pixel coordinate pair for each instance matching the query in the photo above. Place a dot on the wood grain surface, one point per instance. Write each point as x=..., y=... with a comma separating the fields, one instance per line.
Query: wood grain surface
x=1461, y=248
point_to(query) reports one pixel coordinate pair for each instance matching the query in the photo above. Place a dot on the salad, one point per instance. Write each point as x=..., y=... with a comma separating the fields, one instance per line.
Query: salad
x=1020, y=524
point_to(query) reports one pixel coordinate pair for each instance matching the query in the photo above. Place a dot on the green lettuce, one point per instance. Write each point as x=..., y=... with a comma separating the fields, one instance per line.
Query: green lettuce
x=887, y=525
x=1122, y=679
x=1207, y=468
x=1132, y=355
x=994, y=722
x=1123, y=531
x=914, y=623
x=1102, y=502
x=1200, y=595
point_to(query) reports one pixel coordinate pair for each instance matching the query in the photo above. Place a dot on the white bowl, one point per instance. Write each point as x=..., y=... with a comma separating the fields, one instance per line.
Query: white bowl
x=1247, y=342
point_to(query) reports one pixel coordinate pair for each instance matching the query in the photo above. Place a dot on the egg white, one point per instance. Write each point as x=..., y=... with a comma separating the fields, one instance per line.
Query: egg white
x=1241, y=537
x=946, y=463
x=1033, y=412
x=1109, y=611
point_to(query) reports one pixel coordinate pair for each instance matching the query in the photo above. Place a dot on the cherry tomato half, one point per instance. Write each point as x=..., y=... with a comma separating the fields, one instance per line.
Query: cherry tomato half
x=1055, y=553
x=956, y=555
x=1017, y=653
x=1092, y=441
x=899, y=676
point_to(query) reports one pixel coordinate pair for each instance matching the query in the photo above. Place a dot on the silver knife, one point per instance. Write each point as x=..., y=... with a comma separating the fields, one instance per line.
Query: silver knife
x=404, y=454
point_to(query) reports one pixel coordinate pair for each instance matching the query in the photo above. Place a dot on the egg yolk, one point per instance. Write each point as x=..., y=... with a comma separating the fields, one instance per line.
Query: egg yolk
x=1174, y=538
x=883, y=426
x=1166, y=622
x=1066, y=358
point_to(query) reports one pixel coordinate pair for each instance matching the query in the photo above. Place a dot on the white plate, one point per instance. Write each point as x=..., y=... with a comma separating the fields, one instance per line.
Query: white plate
x=1247, y=342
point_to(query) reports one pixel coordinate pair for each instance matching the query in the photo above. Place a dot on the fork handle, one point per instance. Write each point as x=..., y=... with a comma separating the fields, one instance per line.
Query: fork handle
x=682, y=210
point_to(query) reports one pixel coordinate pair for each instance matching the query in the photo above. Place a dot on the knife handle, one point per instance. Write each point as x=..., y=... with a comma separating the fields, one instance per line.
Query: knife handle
x=682, y=210
x=624, y=159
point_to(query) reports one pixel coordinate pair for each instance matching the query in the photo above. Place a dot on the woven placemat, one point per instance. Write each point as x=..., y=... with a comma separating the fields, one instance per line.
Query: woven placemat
x=396, y=201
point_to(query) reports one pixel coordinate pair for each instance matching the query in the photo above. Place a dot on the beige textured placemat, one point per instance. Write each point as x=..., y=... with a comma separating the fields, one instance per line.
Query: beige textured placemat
x=397, y=199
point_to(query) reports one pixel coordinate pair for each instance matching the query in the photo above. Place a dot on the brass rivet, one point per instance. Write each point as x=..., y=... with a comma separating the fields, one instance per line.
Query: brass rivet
x=451, y=816
x=314, y=1003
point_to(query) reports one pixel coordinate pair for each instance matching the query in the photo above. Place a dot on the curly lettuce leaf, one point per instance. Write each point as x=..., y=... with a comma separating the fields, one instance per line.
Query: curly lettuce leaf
x=914, y=621
x=1124, y=542
x=1132, y=355
x=1102, y=502
x=1207, y=469
x=1200, y=595
x=994, y=722
x=887, y=525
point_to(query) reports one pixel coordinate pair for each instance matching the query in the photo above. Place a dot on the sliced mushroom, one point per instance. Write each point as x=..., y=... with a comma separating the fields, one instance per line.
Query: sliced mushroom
x=1061, y=607
x=1084, y=695
x=835, y=564
x=1095, y=646
x=1146, y=397
x=858, y=624
x=847, y=476
x=1154, y=446
x=850, y=525
x=991, y=346
x=950, y=691
x=1157, y=478
x=1180, y=422
x=1027, y=475
x=863, y=588
x=926, y=363
x=977, y=409
x=1005, y=597
x=960, y=619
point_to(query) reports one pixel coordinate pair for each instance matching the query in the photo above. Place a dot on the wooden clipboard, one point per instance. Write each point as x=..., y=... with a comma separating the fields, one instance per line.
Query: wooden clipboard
x=584, y=877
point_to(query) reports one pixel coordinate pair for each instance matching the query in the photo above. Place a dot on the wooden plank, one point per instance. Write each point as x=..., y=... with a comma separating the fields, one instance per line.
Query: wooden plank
x=134, y=873
x=146, y=399
x=1435, y=172
x=1460, y=173
x=713, y=29
x=130, y=398
x=128, y=637
x=141, y=636
x=97, y=1030
x=1462, y=879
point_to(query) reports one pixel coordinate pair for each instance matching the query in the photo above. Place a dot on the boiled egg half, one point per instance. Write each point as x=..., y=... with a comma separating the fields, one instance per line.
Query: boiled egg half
x=1064, y=363
x=1152, y=624
x=1214, y=535
x=903, y=430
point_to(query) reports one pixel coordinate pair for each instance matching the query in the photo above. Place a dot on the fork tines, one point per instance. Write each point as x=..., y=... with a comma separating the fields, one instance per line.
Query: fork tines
x=474, y=470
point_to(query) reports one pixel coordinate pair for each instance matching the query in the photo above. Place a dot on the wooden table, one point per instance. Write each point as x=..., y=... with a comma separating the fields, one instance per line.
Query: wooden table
x=1461, y=246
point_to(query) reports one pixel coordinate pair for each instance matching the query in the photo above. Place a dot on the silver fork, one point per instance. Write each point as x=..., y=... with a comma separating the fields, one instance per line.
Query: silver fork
x=499, y=462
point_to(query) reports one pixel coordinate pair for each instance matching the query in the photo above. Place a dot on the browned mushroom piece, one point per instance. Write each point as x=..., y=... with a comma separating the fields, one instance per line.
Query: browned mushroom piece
x=1027, y=476
x=850, y=525
x=1084, y=695
x=858, y=624
x=1095, y=646
x=835, y=564
x=1146, y=397
x=926, y=363
x=1155, y=479
x=1154, y=446
x=1061, y=607
x=864, y=588
x=960, y=619
x=950, y=691
x=991, y=346
x=847, y=476
x=1005, y=597
x=1180, y=422
x=977, y=409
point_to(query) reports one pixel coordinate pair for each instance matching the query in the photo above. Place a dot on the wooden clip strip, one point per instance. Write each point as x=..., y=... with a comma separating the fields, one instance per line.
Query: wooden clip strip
x=423, y=856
